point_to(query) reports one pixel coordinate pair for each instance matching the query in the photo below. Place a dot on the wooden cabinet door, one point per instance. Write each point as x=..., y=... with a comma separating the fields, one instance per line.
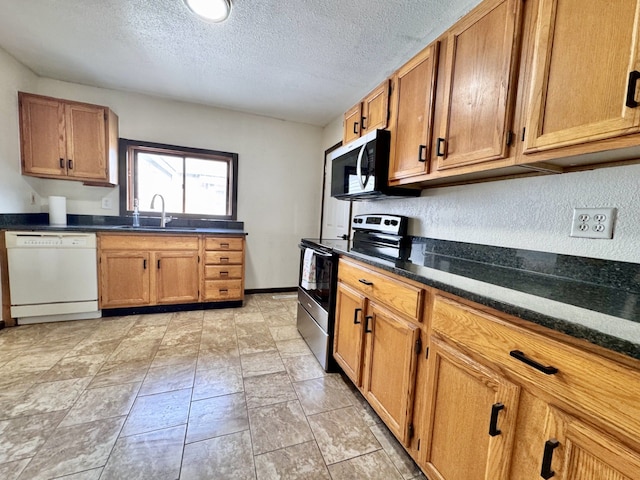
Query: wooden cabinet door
x=177, y=277
x=586, y=53
x=480, y=82
x=352, y=124
x=42, y=134
x=414, y=92
x=390, y=367
x=124, y=279
x=86, y=142
x=573, y=450
x=471, y=419
x=375, y=109
x=348, y=333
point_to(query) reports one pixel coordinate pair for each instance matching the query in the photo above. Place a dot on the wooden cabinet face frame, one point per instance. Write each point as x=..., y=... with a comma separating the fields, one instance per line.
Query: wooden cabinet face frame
x=390, y=367
x=414, y=89
x=348, y=340
x=478, y=96
x=581, y=79
x=68, y=140
x=573, y=450
x=467, y=401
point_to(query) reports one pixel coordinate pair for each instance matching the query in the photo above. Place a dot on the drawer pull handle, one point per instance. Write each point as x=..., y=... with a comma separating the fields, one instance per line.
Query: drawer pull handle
x=421, y=150
x=224, y=290
x=547, y=457
x=368, y=318
x=224, y=274
x=547, y=370
x=631, y=102
x=439, y=147
x=224, y=245
x=355, y=316
x=224, y=259
x=496, y=408
x=366, y=282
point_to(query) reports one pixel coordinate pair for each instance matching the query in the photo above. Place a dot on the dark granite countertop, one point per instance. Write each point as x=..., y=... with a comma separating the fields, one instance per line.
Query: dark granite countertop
x=592, y=299
x=96, y=223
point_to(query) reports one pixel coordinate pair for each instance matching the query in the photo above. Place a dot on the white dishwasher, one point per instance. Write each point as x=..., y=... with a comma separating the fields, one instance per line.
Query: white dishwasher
x=52, y=276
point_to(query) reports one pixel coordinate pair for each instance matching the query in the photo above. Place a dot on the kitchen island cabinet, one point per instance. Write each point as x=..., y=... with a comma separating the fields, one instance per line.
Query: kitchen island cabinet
x=68, y=140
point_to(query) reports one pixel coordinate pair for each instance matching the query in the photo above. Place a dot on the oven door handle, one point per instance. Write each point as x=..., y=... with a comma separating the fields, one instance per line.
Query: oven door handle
x=316, y=252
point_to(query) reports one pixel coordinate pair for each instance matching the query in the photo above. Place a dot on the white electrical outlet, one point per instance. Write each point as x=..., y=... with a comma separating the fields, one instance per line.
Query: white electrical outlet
x=106, y=203
x=593, y=222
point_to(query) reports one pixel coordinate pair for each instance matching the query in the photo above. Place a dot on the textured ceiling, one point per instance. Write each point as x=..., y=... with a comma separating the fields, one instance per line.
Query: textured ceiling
x=298, y=60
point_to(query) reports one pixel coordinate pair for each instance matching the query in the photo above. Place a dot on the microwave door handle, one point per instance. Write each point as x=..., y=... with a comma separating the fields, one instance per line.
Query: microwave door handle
x=359, y=165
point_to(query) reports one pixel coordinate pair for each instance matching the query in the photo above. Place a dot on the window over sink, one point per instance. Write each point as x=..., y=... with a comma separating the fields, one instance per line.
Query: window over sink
x=194, y=182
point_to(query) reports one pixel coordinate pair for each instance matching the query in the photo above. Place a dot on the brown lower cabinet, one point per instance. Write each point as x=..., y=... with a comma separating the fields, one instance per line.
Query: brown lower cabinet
x=476, y=394
x=146, y=270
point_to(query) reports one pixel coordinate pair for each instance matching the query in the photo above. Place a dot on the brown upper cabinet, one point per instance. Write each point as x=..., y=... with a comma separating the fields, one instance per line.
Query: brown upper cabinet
x=520, y=87
x=412, y=101
x=368, y=115
x=68, y=140
x=479, y=85
x=585, y=73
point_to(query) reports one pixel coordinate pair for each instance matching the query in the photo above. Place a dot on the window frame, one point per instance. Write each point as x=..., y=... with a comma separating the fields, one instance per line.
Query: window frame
x=126, y=172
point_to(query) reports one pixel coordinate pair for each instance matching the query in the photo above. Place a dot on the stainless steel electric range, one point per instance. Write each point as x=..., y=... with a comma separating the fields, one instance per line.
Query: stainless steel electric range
x=382, y=236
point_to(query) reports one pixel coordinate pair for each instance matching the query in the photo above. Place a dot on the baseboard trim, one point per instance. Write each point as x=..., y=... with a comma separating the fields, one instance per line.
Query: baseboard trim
x=183, y=307
x=271, y=290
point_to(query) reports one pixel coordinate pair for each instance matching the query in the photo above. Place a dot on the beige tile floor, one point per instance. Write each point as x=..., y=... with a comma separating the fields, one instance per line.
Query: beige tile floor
x=219, y=394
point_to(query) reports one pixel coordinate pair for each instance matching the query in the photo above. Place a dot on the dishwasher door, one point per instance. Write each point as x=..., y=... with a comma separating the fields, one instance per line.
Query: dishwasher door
x=52, y=273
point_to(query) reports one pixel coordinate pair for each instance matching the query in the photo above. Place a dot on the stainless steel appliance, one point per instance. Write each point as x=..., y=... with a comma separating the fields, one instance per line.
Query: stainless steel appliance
x=360, y=170
x=382, y=236
x=316, y=300
x=52, y=276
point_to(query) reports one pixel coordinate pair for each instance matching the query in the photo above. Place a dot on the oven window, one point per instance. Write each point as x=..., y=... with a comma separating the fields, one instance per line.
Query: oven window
x=324, y=274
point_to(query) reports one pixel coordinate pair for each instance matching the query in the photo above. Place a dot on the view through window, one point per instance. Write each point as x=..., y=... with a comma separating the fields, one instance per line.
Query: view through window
x=193, y=182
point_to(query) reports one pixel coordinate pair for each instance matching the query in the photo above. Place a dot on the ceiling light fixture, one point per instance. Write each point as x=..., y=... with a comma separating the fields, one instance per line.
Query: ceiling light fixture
x=210, y=10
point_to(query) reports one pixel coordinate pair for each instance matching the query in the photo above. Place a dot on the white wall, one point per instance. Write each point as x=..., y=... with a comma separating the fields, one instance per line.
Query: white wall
x=530, y=213
x=280, y=165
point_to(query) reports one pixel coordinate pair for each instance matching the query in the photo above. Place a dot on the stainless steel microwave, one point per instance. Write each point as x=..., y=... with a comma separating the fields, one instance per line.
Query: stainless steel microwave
x=360, y=170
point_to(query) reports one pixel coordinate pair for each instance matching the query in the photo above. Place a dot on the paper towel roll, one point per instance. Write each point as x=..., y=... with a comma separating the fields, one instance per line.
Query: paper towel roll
x=57, y=210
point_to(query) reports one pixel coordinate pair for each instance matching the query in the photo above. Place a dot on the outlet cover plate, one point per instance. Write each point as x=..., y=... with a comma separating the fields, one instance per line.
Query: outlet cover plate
x=593, y=222
x=106, y=203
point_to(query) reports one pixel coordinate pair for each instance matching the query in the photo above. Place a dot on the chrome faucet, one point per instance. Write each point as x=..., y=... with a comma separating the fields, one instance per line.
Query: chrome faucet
x=163, y=218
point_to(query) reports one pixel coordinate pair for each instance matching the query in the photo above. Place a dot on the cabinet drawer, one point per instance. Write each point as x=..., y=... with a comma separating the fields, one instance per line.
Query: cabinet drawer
x=223, y=243
x=222, y=258
x=584, y=380
x=222, y=290
x=116, y=241
x=402, y=297
x=215, y=272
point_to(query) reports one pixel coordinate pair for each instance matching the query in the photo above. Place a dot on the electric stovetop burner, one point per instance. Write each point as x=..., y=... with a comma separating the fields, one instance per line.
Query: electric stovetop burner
x=380, y=235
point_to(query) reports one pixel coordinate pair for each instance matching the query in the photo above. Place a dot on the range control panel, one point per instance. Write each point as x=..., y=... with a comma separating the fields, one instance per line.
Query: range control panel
x=391, y=224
